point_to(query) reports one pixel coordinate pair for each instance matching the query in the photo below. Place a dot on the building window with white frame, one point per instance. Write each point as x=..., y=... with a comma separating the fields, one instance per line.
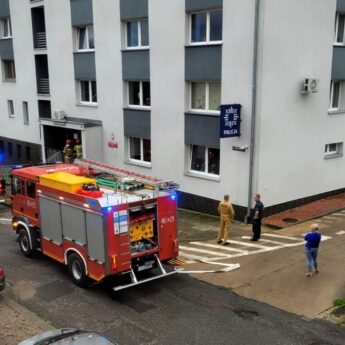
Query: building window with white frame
x=88, y=92
x=137, y=32
x=139, y=94
x=335, y=95
x=204, y=160
x=333, y=150
x=139, y=150
x=85, y=38
x=205, y=96
x=207, y=27
x=6, y=28
x=10, y=107
x=8, y=70
x=340, y=29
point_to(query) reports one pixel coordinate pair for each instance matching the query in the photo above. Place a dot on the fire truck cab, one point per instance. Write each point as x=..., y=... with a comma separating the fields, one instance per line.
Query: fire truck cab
x=97, y=219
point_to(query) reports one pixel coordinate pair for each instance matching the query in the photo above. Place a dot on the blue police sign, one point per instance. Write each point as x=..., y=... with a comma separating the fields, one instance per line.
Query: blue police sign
x=230, y=120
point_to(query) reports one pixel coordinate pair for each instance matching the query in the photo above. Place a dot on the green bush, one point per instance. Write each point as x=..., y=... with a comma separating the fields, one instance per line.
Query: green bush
x=339, y=302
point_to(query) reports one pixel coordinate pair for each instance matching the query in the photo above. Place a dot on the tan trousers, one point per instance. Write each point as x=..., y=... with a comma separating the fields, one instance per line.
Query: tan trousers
x=224, y=228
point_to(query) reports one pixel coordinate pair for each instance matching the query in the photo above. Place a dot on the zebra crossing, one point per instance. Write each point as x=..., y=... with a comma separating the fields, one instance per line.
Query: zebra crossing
x=209, y=252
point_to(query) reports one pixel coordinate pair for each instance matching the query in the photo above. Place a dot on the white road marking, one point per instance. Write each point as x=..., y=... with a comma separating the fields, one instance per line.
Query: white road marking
x=197, y=257
x=340, y=232
x=259, y=248
x=227, y=268
x=5, y=220
x=281, y=236
x=241, y=243
x=323, y=221
x=266, y=241
x=209, y=245
x=331, y=217
x=339, y=214
x=191, y=249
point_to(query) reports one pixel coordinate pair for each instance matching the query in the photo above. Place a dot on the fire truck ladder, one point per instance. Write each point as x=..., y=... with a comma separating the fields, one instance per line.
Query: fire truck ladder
x=135, y=281
x=155, y=183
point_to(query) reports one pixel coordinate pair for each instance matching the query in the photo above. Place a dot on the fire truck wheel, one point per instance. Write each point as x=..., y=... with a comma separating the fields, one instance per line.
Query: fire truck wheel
x=24, y=243
x=77, y=270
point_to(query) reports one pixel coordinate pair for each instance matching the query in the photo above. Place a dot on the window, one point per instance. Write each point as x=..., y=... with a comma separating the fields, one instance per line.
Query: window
x=140, y=149
x=9, y=71
x=85, y=38
x=207, y=27
x=137, y=33
x=339, y=29
x=335, y=93
x=10, y=149
x=6, y=28
x=25, y=113
x=28, y=153
x=205, y=96
x=204, y=160
x=18, y=186
x=88, y=91
x=333, y=150
x=31, y=189
x=139, y=93
x=19, y=152
x=10, y=107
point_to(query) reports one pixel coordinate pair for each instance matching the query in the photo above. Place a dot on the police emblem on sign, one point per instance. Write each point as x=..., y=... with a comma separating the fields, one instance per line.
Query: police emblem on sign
x=230, y=120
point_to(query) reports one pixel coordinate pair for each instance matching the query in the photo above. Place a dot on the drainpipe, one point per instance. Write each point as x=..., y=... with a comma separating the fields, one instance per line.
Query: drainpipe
x=253, y=117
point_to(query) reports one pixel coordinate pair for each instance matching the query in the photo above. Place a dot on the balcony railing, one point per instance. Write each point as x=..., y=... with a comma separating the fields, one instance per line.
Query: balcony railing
x=41, y=40
x=43, y=86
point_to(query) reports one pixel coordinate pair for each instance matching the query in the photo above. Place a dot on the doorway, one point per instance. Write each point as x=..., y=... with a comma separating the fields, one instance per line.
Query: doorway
x=55, y=140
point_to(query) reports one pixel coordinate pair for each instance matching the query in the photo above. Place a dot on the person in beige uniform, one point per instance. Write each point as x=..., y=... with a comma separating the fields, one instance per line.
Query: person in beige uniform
x=227, y=213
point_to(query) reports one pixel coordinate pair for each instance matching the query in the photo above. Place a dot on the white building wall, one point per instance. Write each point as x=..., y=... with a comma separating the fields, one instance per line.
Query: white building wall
x=24, y=88
x=296, y=42
x=237, y=70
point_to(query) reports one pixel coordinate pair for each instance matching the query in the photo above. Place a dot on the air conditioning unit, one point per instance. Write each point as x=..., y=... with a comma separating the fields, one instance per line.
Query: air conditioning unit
x=59, y=115
x=309, y=85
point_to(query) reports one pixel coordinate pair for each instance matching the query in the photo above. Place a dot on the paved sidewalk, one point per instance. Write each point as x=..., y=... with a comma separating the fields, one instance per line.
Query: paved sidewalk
x=18, y=323
x=273, y=271
x=306, y=212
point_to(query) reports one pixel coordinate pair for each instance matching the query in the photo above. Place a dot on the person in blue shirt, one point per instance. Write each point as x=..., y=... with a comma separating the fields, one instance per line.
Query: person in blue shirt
x=312, y=239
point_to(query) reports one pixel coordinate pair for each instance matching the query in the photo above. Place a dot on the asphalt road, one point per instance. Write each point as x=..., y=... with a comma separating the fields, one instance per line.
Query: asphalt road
x=176, y=310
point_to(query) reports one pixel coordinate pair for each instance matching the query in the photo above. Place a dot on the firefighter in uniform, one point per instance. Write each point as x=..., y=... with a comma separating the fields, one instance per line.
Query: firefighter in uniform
x=78, y=149
x=68, y=152
x=227, y=213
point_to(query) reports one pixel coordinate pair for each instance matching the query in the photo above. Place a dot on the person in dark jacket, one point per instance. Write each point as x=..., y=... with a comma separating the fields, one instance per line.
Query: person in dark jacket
x=258, y=214
x=312, y=239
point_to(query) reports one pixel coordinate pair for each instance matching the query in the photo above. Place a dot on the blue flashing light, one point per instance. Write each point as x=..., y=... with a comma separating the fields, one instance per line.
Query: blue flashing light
x=173, y=196
x=109, y=209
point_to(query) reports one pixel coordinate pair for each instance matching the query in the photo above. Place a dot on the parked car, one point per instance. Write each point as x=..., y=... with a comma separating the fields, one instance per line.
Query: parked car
x=68, y=336
x=2, y=279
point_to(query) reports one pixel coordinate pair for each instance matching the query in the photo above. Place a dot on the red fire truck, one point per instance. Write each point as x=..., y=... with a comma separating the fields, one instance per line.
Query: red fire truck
x=97, y=219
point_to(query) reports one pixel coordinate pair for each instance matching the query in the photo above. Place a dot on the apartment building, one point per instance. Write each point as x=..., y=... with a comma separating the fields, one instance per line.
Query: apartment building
x=142, y=83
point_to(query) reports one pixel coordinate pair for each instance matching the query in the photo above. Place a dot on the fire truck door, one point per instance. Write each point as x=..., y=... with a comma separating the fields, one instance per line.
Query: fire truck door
x=18, y=193
x=30, y=203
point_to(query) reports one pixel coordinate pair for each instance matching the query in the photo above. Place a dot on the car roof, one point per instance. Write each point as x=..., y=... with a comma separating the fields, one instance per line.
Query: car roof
x=75, y=337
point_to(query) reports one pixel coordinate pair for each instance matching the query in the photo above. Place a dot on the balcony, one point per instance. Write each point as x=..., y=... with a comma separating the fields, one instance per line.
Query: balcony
x=39, y=27
x=40, y=41
x=43, y=86
x=42, y=74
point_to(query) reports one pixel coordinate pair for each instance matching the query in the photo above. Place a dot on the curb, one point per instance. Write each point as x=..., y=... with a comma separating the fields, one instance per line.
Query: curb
x=34, y=319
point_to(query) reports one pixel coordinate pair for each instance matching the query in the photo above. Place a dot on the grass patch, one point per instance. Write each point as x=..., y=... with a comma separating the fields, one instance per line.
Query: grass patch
x=339, y=302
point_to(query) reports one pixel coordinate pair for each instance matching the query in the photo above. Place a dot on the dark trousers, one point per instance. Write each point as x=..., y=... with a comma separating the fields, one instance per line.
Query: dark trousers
x=256, y=229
